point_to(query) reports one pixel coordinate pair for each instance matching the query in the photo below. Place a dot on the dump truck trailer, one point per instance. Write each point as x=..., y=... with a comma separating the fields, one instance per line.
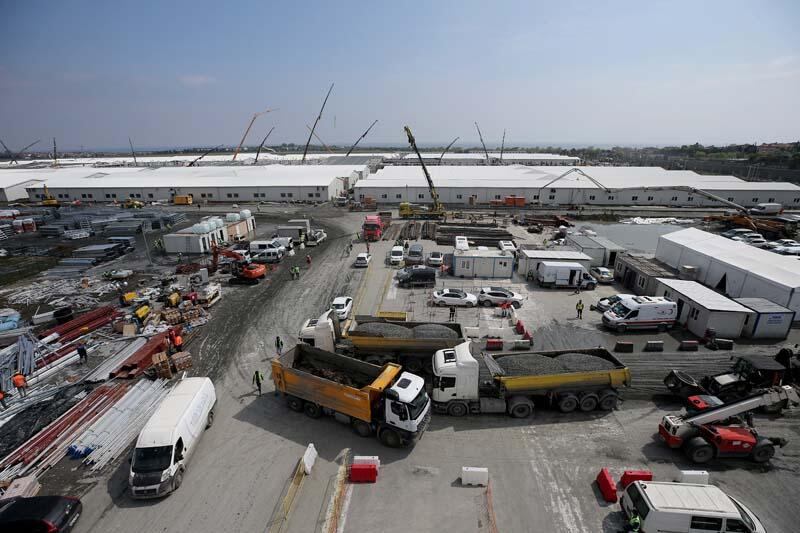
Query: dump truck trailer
x=380, y=340
x=467, y=380
x=382, y=401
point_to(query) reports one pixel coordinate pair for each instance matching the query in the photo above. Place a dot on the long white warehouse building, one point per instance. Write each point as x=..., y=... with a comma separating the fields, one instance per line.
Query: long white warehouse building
x=479, y=159
x=278, y=183
x=468, y=185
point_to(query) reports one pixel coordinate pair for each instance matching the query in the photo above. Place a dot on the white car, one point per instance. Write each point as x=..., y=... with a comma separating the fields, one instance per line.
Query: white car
x=362, y=260
x=342, y=306
x=490, y=296
x=396, y=255
x=758, y=243
x=447, y=297
x=435, y=258
x=782, y=243
x=602, y=274
x=788, y=250
x=747, y=237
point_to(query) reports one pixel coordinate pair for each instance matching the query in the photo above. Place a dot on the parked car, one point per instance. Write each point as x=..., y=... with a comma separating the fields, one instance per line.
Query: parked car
x=417, y=275
x=490, y=296
x=731, y=233
x=435, y=258
x=607, y=303
x=748, y=236
x=342, y=305
x=758, y=243
x=788, y=250
x=362, y=260
x=415, y=255
x=602, y=274
x=56, y=514
x=269, y=255
x=781, y=243
x=446, y=297
x=396, y=255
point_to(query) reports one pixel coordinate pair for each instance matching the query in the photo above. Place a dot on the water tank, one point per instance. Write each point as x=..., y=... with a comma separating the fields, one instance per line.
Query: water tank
x=198, y=228
x=245, y=213
x=232, y=217
x=217, y=222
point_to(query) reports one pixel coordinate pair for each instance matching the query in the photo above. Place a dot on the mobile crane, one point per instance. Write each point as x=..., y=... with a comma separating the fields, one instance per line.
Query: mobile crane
x=407, y=210
x=713, y=433
x=244, y=272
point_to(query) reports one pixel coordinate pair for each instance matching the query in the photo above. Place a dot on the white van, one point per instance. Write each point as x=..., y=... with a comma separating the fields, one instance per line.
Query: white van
x=687, y=508
x=396, y=255
x=170, y=437
x=564, y=274
x=270, y=255
x=767, y=209
x=641, y=312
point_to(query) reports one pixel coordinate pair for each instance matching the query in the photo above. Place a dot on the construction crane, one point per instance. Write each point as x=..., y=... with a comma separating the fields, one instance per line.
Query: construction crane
x=192, y=163
x=716, y=432
x=132, y=152
x=447, y=148
x=317, y=137
x=260, y=146
x=55, y=153
x=502, y=146
x=244, y=272
x=319, y=117
x=437, y=210
x=359, y=139
x=485, y=151
x=15, y=156
x=250, y=125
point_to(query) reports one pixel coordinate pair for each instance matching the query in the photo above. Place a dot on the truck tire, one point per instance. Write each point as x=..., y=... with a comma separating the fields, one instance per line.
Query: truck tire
x=763, y=452
x=567, y=403
x=178, y=479
x=457, y=409
x=413, y=364
x=390, y=438
x=312, y=410
x=210, y=419
x=588, y=402
x=608, y=401
x=294, y=403
x=621, y=328
x=591, y=287
x=699, y=450
x=520, y=407
x=361, y=428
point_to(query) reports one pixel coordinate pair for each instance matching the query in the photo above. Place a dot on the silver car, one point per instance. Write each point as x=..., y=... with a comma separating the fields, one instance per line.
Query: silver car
x=490, y=296
x=435, y=258
x=602, y=274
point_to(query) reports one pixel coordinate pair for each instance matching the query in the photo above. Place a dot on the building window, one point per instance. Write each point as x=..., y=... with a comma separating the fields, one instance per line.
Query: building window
x=90, y=195
x=202, y=195
x=113, y=195
x=674, y=198
x=641, y=282
x=755, y=200
x=230, y=195
x=384, y=195
x=649, y=198
x=730, y=198
x=610, y=197
x=291, y=194
x=421, y=196
x=552, y=190
x=255, y=195
x=591, y=197
x=770, y=200
x=634, y=198
x=552, y=197
x=311, y=195
x=149, y=195
x=316, y=194
x=535, y=196
x=796, y=200
x=236, y=195
x=283, y=195
x=108, y=195
x=458, y=197
x=210, y=195
x=398, y=196
x=361, y=196
x=83, y=195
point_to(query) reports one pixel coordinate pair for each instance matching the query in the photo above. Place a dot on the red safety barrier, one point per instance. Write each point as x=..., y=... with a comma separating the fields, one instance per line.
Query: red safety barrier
x=494, y=344
x=519, y=328
x=607, y=486
x=363, y=473
x=527, y=336
x=629, y=476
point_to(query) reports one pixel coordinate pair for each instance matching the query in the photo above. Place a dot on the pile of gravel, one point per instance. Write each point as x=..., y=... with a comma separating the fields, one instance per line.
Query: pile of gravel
x=434, y=331
x=579, y=362
x=382, y=329
x=531, y=364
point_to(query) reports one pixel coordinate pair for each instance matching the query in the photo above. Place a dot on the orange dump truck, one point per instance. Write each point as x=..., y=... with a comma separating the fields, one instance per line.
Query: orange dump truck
x=381, y=401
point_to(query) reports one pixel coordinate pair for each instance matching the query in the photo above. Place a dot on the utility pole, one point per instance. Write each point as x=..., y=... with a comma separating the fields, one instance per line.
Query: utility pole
x=319, y=116
x=486, y=152
x=55, y=153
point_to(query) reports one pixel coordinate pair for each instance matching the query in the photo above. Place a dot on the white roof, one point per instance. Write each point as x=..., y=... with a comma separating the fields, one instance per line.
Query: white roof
x=702, y=295
x=525, y=156
x=159, y=428
x=166, y=177
x=778, y=268
x=533, y=177
x=491, y=252
x=688, y=497
x=555, y=255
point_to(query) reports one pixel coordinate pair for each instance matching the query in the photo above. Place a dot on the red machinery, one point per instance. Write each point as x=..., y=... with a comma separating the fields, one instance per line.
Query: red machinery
x=243, y=271
x=372, y=228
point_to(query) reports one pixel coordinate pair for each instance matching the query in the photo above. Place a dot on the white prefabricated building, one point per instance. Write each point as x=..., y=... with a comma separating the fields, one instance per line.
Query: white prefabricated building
x=602, y=251
x=482, y=263
x=700, y=308
x=734, y=268
x=199, y=238
x=768, y=321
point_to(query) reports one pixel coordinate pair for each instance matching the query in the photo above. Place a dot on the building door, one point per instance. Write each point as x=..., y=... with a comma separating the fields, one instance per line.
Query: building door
x=722, y=284
x=680, y=308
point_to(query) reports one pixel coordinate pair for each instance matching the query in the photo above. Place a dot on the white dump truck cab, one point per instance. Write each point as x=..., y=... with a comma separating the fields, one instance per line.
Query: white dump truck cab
x=455, y=375
x=322, y=332
x=407, y=406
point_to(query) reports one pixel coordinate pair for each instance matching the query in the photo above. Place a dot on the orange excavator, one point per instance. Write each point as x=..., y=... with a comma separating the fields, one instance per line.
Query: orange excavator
x=244, y=272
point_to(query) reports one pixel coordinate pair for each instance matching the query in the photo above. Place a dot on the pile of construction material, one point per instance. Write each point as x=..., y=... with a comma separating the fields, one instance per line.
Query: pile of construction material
x=76, y=293
x=533, y=364
x=384, y=329
x=434, y=331
x=476, y=234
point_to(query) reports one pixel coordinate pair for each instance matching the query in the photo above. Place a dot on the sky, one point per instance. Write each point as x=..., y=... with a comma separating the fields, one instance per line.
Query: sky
x=192, y=73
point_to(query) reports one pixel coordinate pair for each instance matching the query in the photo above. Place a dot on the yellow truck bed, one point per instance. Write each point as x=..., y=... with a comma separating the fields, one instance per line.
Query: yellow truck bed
x=292, y=374
x=425, y=347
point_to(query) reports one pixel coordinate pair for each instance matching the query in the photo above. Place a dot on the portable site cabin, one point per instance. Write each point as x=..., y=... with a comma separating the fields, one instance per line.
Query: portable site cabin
x=700, y=308
x=768, y=321
x=483, y=263
x=639, y=273
x=733, y=268
x=529, y=259
x=602, y=251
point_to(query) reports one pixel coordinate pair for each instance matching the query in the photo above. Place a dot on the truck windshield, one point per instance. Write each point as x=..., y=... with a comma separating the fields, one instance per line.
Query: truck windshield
x=619, y=309
x=155, y=459
x=371, y=227
x=417, y=405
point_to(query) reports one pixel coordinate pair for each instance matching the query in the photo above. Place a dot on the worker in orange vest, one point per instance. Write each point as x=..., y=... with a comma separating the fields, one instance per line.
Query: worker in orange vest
x=178, y=343
x=20, y=383
x=3, y=399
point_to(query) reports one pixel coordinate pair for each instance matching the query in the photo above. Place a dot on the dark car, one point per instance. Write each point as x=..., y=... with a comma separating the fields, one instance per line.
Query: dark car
x=40, y=514
x=416, y=276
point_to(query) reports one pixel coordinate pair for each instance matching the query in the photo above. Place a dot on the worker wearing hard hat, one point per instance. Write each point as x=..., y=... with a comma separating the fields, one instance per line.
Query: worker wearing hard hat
x=20, y=383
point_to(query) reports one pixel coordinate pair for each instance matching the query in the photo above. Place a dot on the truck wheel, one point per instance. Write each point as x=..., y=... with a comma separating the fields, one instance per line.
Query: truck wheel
x=590, y=287
x=621, y=328
x=413, y=364
x=520, y=407
x=391, y=438
x=210, y=419
x=457, y=409
x=763, y=452
x=294, y=403
x=588, y=402
x=177, y=480
x=361, y=428
x=487, y=303
x=608, y=401
x=312, y=410
x=699, y=450
x=567, y=403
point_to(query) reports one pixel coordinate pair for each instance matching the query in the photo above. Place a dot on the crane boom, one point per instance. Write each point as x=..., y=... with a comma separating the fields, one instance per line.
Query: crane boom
x=502, y=146
x=260, y=146
x=15, y=156
x=485, y=151
x=359, y=139
x=317, y=137
x=191, y=164
x=319, y=116
x=252, y=120
x=769, y=397
x=447, y=148
x=437, y=205
x=132, y=152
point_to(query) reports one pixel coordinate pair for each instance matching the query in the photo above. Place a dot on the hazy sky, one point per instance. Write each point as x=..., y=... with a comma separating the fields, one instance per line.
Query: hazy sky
x=176, y=73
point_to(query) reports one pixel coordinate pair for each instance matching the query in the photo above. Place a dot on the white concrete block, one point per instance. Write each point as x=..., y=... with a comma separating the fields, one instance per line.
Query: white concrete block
x=472, y=475
x=367, y=460
x=699, y=477
x=471, y=332
x=309, y=458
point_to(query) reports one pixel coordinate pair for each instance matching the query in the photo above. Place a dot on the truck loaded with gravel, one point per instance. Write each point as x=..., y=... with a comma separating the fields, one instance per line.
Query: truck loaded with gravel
x=380, y=340
x=467, y=380
x=382, y=401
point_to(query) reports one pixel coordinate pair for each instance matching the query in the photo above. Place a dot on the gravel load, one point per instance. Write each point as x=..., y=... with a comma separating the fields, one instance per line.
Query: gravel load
x=382, y=329
x=531, y=364
x=580, y=362
x=434, y=331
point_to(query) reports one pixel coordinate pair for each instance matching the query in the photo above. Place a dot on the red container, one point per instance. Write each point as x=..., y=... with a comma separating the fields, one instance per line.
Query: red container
x=494, y=344
x=363, y=473
x=629, y=476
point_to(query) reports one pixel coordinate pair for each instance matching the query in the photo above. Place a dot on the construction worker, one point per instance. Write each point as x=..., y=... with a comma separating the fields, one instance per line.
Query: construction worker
x=20, y=383
x=579, y=308
x=634, y=522
x=258, y=379
x=367, y=246
x=308, y=260
x=178, y=343
x=452, y=313
x=278, y=344
x=83, y=356
x=3, y=399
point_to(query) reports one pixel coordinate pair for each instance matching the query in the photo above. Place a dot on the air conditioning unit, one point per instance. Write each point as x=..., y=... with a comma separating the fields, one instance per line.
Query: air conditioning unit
x=688, y=271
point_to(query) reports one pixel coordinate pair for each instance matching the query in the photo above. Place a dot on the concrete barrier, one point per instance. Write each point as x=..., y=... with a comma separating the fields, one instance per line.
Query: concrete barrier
x=607, y=486
x=654, y=346
x=471, y=475
x=688, y=346
x=629, y=476
x=624, y=347
x=725, y=344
